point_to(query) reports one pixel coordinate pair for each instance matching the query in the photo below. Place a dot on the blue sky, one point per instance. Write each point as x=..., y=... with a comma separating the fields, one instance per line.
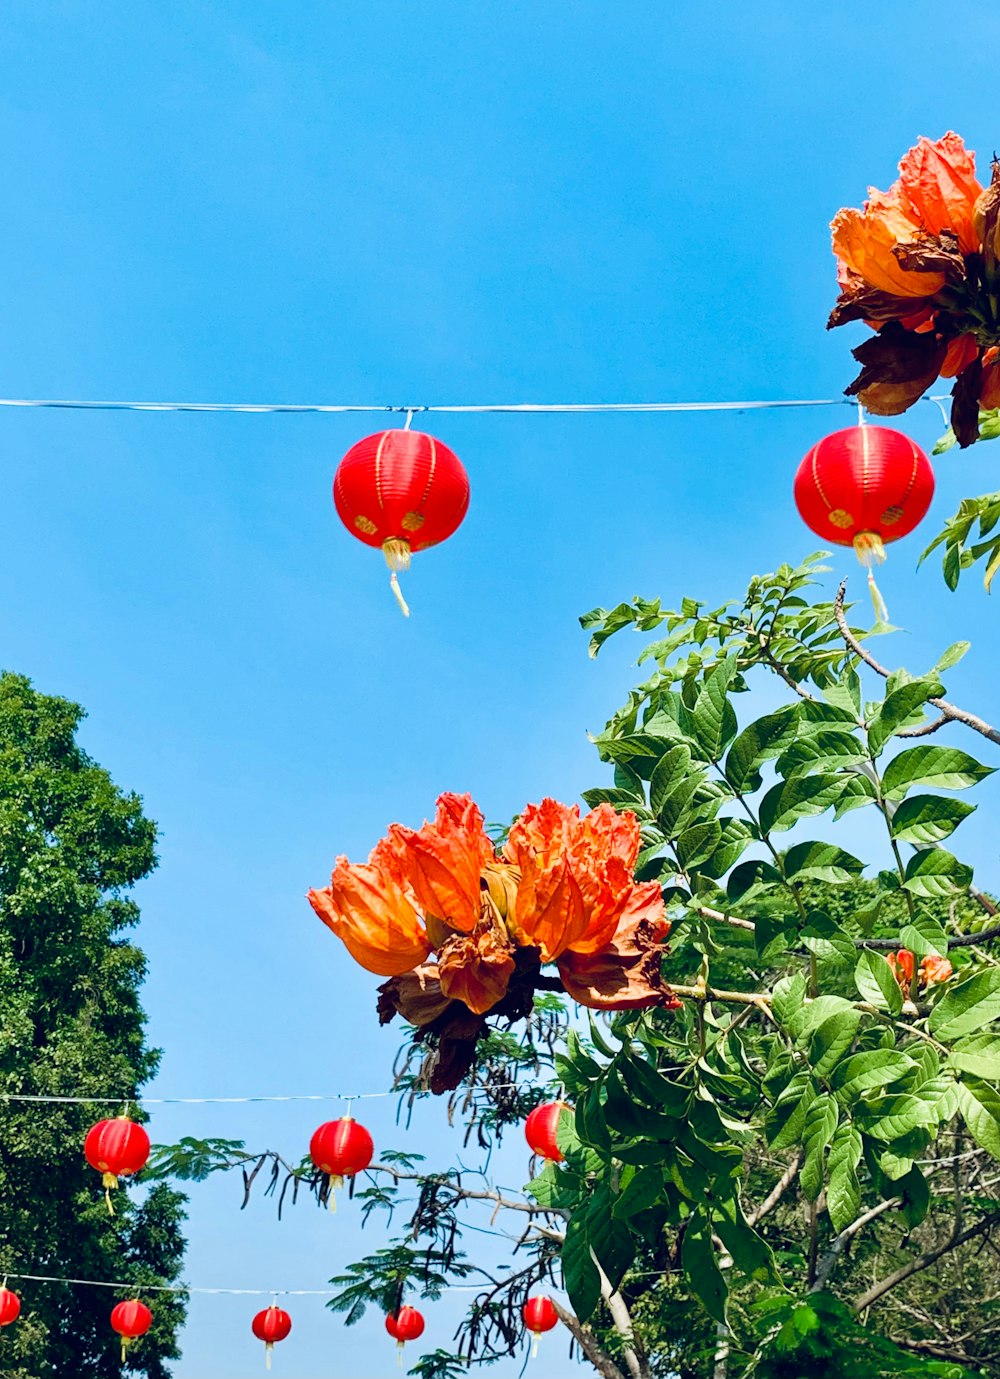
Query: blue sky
x=409, y=202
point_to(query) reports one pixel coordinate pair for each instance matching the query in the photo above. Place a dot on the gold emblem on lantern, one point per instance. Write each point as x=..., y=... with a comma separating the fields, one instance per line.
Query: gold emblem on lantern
x=366, y=525
x=413, y=521
x=840, y=518
x=891, y=515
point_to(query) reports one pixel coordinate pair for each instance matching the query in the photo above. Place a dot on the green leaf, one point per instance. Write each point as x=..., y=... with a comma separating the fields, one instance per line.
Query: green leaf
x=952, y=656
x=831, y=1040
x=580, y=1276
x=898, y=709
x=784, y=1121
x=643, y=1190
x=967, y=1007
x=697, y=844
x=751, y=1253
x=895, y=1116
x=610, y=1240
x=875, y=981
x=944, y=768
x=843, y=1195
x=874, y=1068
x=736, y=835
x=820, y=1123
x=591, y=1128
x=924, y=936
x=825, y=751
x=928, y=818
x=821, y=862
x=758, y=742
x=672, y=768
x=934, y=873
x=980, y=1107
x=788, y=998
x=701, y=1266
x=789, y=801
x=979, y=1054
x=846, y=693
x=709, y=713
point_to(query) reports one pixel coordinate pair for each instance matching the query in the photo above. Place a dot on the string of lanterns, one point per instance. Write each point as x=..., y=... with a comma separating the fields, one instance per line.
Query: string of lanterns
x=340, y=1149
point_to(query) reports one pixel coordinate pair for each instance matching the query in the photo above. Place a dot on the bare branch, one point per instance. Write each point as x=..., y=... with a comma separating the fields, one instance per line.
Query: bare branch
x=924, y=1261
x=587, y=1342
x=829, y=1261
x=632, y=1348
x=949, y=711
x=777, y=1192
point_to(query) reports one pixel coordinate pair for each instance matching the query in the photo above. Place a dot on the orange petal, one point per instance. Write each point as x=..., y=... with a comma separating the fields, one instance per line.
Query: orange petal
x=626, y=975
x=989, y=395
x=367, y=907
x=938, y=188
x=864, y=241
x=960, y=352
x=443, y=861
x=476, y=969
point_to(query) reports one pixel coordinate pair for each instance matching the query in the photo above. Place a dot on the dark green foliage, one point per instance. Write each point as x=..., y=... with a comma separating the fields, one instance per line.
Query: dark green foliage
x=71, y=844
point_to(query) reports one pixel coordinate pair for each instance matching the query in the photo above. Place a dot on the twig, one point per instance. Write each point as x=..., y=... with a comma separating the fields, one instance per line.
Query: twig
x=587, y=1342
x=923, y=1261
x=949, y=711
x=828, y=1263
x=777, y=1192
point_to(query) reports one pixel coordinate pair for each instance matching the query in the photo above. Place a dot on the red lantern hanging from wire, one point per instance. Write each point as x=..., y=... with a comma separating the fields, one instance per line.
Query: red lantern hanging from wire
x=10, y=1305
x=539, y=1315
x=270, y=1326
x=864, y=487
x=116, y=1149
x=541, y=1127
x=405, y=1324
x=401, y=491
x=131, y=1320
x=341, y=1148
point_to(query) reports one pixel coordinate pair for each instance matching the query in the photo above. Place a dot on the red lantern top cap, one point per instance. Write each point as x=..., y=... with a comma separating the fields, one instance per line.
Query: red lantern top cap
x=864, y=480
x=401, y=486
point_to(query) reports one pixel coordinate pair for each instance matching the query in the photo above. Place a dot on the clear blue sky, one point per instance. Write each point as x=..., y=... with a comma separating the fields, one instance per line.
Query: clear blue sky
x=402, y=201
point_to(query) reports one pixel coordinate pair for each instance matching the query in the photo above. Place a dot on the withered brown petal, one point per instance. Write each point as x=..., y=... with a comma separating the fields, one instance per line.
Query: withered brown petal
x=965, y=403
x=932, y=254
x=864, y=303
x=898, y=366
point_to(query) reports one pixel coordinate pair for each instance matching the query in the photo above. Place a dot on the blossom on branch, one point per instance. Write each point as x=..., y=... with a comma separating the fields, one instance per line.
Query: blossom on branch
x=920, y=265
x=560, y=891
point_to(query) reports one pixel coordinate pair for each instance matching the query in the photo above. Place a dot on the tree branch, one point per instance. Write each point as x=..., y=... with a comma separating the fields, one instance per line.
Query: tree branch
x=632, y=1348
x=829, y=1261
x=948, y=711
x=923, y=1261
x=777, y=1192
x=587, y=1342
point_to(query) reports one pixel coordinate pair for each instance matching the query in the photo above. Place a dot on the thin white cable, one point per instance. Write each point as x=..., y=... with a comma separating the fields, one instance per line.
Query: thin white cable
x=196, y=1100
x=186, y=1288
x=80, y=404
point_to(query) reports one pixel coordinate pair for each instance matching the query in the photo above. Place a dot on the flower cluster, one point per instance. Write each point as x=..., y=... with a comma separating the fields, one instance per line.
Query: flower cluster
x=920, y=264
x=932, y=968
x=463, y=929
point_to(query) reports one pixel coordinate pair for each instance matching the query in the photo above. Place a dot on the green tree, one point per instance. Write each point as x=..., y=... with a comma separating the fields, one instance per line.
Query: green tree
x=71, y=845
x=796, y=1174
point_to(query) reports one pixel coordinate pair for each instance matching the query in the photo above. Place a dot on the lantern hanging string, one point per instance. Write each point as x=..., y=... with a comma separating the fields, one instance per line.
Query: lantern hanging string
x=347, y=1097
x=88, y=405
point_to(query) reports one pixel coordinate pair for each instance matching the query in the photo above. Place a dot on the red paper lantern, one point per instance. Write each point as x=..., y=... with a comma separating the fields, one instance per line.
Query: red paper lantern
x=863, y=487
x=539, y=1315
x=405, y=1325
x=131, y=1320
x=402, y=491
x=269, y=1326
x=116, y=1148
x=540, y=1130
x=341, y=1148
x=10, y=1306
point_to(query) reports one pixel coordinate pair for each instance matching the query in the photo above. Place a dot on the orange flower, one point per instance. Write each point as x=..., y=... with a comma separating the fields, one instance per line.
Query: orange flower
x=476, y=969
x=626, y=974
x=902, y=966
x=369, y=907
x=934, y=969
x=864, y=241
x=443, y=861
x=938, y=188
x=576, y=876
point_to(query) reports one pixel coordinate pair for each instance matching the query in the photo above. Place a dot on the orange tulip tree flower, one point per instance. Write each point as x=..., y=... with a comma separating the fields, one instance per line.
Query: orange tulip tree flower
x=560, y=891
x=920, y=265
